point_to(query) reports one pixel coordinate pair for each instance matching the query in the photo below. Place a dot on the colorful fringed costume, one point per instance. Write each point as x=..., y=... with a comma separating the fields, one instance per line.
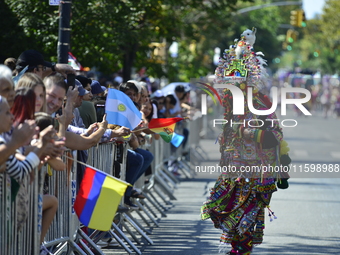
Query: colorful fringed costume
x=238, y=200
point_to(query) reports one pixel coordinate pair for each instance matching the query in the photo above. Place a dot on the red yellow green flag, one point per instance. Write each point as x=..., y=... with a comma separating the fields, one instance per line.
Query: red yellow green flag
x=165, y=127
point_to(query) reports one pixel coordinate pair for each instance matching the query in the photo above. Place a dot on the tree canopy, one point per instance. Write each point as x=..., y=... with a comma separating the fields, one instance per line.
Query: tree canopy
x=123, y=34
x=318, y=44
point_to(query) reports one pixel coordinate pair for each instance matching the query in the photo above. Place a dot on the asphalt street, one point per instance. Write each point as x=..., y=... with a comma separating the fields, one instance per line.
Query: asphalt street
x=308, y=211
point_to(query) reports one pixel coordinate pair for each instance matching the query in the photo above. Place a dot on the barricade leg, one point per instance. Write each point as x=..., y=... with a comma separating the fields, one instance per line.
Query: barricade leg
x=143, y=218
x=164, y=187
x=138, y=224
x=120, y=241
x=170, y=175
x=146, y=212
x=134, y=237
x=145, y=204
x=120, y=232
x=156, y=200
x=133, y=224
x=89, y=241
x=185, y=170
x=158, y=208
x=159, y=193
x=166, y=176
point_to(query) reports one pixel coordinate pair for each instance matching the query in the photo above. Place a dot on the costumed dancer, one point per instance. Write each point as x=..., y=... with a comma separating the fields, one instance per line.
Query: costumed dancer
x=252, y=149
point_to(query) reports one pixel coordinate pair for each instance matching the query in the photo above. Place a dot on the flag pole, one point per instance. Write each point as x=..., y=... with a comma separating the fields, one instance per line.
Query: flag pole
x=64, y=34
x=141, y=129
x=82, y=163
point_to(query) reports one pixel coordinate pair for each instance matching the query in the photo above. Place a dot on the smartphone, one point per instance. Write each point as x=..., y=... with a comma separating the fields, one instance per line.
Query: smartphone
x=71, y=80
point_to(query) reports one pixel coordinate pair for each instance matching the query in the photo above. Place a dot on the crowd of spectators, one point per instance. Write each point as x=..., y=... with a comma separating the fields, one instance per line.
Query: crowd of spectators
x=42, y=116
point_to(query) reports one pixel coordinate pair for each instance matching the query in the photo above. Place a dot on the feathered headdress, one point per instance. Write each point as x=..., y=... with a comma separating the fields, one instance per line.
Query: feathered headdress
x=240, y=64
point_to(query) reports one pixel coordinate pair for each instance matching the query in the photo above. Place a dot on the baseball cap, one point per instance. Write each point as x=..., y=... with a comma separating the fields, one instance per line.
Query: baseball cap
x=80, y=88
x=83, y=80
x=96, y=88
x=180, y=88
x=31, y=58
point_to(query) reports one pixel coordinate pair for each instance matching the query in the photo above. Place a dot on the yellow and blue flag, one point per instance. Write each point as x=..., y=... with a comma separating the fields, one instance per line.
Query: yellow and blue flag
x=98, y=198
x=120, y=110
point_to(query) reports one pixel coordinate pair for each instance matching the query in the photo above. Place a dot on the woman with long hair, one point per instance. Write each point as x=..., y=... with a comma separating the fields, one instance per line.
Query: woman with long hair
x=34, y=82
x=23, y=109
x=24, y=106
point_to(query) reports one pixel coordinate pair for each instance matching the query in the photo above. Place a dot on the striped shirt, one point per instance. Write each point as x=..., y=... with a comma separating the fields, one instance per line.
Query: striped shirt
x=18, y=169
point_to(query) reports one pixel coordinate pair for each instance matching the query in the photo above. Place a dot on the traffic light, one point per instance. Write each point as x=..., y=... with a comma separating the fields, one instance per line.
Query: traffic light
x=297, y=17
x=303, y=23
x=291, y=36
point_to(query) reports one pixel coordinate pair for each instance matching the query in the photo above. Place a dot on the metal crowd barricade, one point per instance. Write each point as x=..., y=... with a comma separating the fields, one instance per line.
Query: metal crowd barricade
x=27, y=239
x=198, y=129
x=63, y=185
x=65, y=235
x=95, y=159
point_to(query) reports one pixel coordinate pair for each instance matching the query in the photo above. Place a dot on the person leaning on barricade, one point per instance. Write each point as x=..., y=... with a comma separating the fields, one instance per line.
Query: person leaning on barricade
x=19, y=170
x=99, y=98
x=158, y=99
x=77, y=137
x=34, y=82
x=138, y=160
x=87, y=109
x=24, y=109
x=145, y=137
x=56, y=88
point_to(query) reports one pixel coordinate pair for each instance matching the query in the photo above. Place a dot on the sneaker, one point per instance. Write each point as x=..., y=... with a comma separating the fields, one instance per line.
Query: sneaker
x=44, y=250
x=131, y=205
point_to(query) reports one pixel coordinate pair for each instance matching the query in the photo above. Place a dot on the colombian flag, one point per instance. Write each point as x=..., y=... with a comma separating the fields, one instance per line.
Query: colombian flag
x=98, y=198
x=165, y=127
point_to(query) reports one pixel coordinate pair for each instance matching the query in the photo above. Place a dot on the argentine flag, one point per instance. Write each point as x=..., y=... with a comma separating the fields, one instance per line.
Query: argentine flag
x=120, y=110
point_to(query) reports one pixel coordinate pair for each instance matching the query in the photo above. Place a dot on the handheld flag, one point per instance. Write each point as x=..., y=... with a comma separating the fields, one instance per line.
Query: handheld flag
x=164, y=127
x=120, y=110
x=177, y=140
x=98, y=198
x=72, y=61
x=17, y=78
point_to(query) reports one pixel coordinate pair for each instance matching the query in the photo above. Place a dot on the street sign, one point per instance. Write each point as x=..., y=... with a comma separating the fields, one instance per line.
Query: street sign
x=54, y=2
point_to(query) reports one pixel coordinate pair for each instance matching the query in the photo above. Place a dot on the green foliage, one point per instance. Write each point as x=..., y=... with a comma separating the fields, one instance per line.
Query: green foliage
x=318, y=46
x=116, y=34
x=13, y=39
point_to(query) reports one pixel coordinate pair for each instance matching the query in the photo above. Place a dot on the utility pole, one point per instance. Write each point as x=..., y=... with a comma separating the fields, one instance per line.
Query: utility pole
x=64, y=31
